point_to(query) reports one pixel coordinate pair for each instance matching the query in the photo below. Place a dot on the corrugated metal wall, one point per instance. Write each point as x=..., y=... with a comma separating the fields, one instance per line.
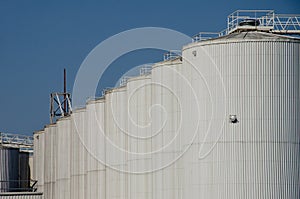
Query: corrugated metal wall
x=168, y=135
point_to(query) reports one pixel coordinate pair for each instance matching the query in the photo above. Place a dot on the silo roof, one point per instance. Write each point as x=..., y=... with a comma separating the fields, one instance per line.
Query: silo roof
x=245, y=36
x=256, y=35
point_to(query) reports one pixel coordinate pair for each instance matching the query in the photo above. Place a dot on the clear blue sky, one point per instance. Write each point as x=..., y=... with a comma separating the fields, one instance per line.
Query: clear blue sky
x=39, y=38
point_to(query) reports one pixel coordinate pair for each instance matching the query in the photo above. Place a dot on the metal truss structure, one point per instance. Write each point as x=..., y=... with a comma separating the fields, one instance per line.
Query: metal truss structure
x=268, y=20
x=23, y=142
x=60, y=106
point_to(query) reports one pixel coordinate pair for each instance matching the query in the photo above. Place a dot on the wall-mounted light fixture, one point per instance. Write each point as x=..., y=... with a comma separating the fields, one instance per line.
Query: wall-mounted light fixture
x=233, y=119
x=194, y=53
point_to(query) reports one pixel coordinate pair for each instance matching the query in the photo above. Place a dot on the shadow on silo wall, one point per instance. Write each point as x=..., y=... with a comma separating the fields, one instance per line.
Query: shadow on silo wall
x=14, y=170
x=24, y=170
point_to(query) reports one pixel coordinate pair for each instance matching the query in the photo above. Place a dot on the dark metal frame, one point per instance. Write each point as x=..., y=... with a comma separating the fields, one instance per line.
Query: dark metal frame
x=60, y=106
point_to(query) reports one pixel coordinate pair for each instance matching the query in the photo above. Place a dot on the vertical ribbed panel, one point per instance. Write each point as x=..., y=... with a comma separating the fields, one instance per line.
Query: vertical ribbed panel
x=91, y=192
x=139, y=137
x=115, y=143
x=52, y=162
x=95, y=178
x=63, y=161
x=100, y=150
x=166, y=129
x=78, y=153
x=42, y=162
x=47, y=163
x=112, y=189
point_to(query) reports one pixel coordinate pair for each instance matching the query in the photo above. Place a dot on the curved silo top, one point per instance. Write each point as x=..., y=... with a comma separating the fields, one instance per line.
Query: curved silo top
x=244, y=37
x=177, y=60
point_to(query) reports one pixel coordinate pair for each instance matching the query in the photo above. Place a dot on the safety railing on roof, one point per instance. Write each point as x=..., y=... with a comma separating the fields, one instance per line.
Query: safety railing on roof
x=265, y=20
x=146, y=69
x=172, y=54
x=205, y=35
x=18, y=185
x=208, y=35
x=143, y=70
x=106, y=90
x=261, y=20
x=24, y=142
x=286, y=24
x=124, y=80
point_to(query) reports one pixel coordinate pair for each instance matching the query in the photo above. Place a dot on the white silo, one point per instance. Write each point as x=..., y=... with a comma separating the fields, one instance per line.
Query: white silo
x=91, y=161
x=53, y=154
x=115, y=142
x=139, y=136
x=257, y=155
x=40, y=155
x=78, y=153
x=118, y=105
x=47, y=163
x=95, y=178
x=63, y=164
x=166, y=101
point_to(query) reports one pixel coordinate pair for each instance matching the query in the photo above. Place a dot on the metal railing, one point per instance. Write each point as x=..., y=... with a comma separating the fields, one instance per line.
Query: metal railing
x=18, y=185
x=286, y=23
x=265, y=17
x=124, y=80
x=267, y=20
x=23, y=142
x=172, y=54
x=146, y=69
x=106, y=90
x=143, y=70
x=205, y=35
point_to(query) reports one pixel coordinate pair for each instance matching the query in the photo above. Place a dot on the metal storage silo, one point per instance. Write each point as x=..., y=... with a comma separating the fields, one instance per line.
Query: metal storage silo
x=78, y=153
x=62, y=173
x=47, y=163
x=54, y=155
x=115, y=134
x=167, y=146
x=96, y=168
x=257, y=156
x=109, y=149
x=91, y=160
x=100, y=172
x=118, y=105
x=95, y=178
x=139, y=136
x=57, y=167
x=9, y=171
x=40, y=160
